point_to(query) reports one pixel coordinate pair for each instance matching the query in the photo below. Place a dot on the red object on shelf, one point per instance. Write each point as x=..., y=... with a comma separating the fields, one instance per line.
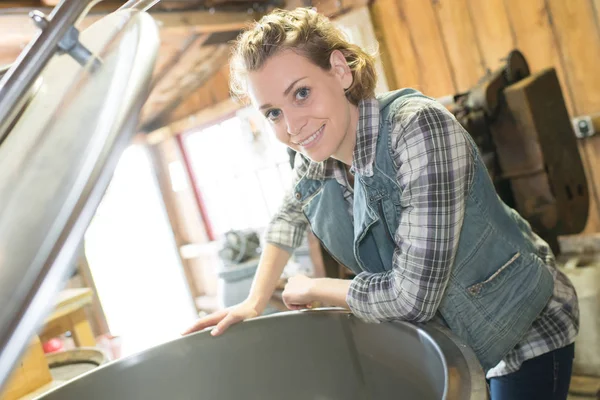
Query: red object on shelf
x=53, y=345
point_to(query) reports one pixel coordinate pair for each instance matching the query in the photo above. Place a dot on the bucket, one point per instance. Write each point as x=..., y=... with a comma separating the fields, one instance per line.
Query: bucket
x=235, y=281
x=69, y=364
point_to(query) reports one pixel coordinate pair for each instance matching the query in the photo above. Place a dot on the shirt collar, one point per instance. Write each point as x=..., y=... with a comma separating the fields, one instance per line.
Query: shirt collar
x=367, y=131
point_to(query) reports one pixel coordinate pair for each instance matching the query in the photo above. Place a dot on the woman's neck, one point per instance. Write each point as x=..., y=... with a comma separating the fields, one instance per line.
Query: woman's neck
x=345, y=151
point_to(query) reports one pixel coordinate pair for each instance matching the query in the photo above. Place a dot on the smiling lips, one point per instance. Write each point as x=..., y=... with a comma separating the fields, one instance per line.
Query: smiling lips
x=312, y=139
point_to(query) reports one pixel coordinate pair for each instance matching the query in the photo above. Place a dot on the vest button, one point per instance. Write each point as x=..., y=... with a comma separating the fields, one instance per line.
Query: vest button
x=298, y=196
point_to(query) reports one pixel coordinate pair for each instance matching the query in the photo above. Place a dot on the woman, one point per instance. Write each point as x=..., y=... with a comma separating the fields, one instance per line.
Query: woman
x=396, y=190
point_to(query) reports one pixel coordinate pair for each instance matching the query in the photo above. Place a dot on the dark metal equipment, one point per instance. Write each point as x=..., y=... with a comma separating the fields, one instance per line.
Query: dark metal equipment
x=522, y=127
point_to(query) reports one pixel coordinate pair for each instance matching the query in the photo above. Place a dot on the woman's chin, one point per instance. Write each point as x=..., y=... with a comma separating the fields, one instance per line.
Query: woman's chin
x=316, y=156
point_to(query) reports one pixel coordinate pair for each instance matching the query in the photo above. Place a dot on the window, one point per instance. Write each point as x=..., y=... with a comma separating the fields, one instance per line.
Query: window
x=240, y=170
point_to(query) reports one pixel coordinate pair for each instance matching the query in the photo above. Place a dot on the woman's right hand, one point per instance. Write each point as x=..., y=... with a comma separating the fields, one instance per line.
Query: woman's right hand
x=225, y=318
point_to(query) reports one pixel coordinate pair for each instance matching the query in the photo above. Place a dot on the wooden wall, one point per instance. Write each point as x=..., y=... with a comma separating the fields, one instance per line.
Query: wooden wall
x=442, y=47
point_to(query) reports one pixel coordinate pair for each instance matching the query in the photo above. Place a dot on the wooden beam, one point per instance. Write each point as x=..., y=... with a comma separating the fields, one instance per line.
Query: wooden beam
x=192, y=83
x=20, y=25
x=204, y=21
x=19, y=4
x=195, y=39
x=392, y=29
x=458, y=35
x=493, y=31
x=576, y=30
x=202, y=117
x=334, y=8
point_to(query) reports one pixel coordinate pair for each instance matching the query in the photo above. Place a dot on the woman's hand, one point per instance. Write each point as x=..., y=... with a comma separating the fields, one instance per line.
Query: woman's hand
x=225, y=318
x=302, y=292
x=298, y=292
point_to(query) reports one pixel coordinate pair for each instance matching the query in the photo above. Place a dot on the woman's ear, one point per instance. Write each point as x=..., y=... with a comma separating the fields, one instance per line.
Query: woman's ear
x=340, y=68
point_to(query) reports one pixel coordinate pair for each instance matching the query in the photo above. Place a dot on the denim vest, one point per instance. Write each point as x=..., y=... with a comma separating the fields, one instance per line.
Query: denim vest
x=498, y=285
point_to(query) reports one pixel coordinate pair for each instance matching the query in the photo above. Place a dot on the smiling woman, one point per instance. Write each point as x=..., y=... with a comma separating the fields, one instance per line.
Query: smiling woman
x=396, y=190
x=306, y=105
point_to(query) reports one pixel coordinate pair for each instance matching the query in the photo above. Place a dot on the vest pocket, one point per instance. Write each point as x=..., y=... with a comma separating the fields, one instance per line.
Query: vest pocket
x=478, y=287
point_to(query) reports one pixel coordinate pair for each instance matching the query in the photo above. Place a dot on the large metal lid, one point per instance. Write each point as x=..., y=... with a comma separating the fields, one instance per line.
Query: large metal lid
x=56, y=163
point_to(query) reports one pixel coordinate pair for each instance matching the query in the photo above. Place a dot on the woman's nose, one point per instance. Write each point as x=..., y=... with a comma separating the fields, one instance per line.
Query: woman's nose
x=295, y=125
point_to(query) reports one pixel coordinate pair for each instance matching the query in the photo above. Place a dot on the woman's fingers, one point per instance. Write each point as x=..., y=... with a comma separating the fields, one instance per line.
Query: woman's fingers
x=225, y=323
x=205, y=322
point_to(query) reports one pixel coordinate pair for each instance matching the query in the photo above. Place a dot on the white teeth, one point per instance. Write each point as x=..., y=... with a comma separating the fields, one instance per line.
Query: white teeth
x=312, y=137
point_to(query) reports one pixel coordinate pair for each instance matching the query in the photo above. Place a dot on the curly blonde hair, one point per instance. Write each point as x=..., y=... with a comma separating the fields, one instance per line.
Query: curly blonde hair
x=307, y=33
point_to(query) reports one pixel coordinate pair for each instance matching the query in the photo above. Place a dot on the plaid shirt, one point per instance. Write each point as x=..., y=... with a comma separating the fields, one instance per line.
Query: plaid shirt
x=435, y=169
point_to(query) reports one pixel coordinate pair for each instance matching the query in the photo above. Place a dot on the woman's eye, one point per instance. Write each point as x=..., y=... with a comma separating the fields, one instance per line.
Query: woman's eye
x=302, y=93
x=273, y=114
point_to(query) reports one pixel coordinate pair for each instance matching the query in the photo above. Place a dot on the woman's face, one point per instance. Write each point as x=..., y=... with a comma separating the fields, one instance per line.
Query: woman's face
x=305, y=104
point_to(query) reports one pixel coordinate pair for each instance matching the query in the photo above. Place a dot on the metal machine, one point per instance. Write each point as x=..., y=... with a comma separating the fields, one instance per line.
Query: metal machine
x=522, y=127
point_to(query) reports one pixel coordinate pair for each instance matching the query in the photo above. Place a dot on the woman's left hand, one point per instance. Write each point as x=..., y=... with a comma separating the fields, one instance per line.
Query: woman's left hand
x=298, y=292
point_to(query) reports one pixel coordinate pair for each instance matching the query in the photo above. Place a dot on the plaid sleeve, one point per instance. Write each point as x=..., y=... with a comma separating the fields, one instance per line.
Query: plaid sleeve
x=287, y=227
x=435, y=167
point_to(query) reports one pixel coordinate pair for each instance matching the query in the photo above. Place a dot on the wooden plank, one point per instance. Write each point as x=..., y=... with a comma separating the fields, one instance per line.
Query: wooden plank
x=20, y=4
x=458, y=33
x=392, y=30
x=186, y=86
x=81, y=329
x=590, y=151
x=434, y=71
x=579, y=41
x=68, y=301
x=580, y=244
x=530, y=23
x=202, y=117
x=585, y=386
x=205, y=21
x=194, y=40
x=576, y=29
x=8, y=56
x=493, y=30
x=20, y=25
x=333, y=8
x=31, y=373
x=215, y=91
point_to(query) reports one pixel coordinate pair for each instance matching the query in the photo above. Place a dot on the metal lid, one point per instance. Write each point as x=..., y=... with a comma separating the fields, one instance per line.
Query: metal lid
x=56, y=163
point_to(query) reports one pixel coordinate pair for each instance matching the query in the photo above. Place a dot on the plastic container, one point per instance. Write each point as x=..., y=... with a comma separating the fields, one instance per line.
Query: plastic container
x=235, y=281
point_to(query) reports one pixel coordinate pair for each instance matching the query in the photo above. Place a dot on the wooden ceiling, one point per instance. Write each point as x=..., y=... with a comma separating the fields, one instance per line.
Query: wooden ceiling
x=192, y=71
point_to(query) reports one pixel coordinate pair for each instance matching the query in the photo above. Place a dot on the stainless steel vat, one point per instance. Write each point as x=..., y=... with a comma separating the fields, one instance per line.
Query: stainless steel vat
x=58, y=159
x=322, y=355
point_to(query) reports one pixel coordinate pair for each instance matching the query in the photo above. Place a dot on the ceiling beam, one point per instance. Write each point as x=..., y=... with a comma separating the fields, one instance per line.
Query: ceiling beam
x=190, y=83
x=194, y=40
x=205, y=21
x=18, y=22
x=202, y=117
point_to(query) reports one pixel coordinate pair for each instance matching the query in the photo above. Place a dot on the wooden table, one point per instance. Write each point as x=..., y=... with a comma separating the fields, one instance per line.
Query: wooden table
x=69, y=316
x=32, y=374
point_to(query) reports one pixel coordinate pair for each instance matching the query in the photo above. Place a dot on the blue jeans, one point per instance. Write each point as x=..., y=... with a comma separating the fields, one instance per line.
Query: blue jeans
x=545, y=377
